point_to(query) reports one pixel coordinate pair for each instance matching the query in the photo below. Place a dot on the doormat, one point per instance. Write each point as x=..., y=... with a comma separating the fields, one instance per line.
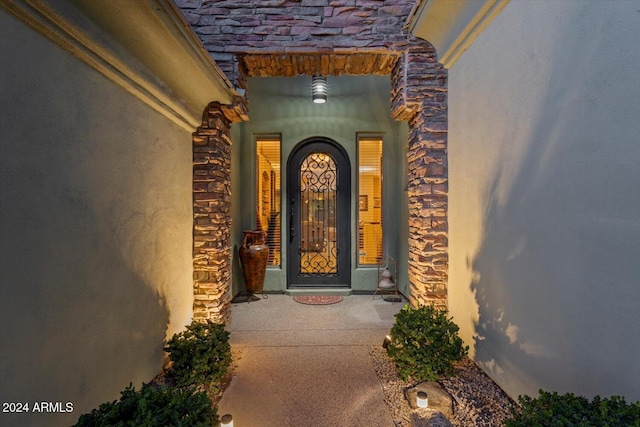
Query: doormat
x=317, y=299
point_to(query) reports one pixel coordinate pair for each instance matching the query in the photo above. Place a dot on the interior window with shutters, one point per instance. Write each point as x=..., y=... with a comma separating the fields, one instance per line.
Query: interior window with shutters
x=369, y=199
x=268, y=194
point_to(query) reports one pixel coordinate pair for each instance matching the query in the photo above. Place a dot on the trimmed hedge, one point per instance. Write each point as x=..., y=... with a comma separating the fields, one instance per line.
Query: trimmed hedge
x=201, y=354
x=153, y=407
x=425, y=343
x=569, y=410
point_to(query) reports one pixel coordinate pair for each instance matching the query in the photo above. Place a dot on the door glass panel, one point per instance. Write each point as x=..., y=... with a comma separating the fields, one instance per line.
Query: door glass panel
x=318, y=248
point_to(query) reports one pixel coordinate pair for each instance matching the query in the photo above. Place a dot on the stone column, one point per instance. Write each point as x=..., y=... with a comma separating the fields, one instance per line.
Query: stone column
x=427, y=191
x=420, y=96
x=212, y=212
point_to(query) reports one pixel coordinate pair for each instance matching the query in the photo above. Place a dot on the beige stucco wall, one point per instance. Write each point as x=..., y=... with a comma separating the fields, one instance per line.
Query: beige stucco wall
x=545, y=197
x=95, y=247
x=355, y=104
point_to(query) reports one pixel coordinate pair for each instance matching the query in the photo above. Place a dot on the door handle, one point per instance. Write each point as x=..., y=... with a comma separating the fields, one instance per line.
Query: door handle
x=292, y=230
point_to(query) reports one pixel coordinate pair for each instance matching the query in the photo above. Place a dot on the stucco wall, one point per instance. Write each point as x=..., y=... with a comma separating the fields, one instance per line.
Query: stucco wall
x=544, y=197
x=355, y=104
x=96, y=223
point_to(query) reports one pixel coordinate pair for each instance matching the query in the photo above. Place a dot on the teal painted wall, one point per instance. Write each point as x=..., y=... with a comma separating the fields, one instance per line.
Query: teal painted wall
x=236, y=201
x=356, y=104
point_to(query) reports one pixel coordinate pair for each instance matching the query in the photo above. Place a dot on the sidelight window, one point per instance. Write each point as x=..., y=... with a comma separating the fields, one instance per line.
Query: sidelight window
x=268, y=194
x=369, y=199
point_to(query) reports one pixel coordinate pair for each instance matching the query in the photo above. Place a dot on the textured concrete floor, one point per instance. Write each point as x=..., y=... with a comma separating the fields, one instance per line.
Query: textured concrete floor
x=308, y=365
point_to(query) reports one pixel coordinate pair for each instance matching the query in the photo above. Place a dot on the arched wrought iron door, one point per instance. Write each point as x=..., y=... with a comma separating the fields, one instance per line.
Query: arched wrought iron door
x=319, y=203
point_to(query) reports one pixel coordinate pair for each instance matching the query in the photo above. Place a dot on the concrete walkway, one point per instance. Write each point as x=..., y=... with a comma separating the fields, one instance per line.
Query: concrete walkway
x=308, y=365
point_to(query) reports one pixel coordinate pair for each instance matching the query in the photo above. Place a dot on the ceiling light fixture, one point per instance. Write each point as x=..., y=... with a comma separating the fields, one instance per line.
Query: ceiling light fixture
x=319, y=89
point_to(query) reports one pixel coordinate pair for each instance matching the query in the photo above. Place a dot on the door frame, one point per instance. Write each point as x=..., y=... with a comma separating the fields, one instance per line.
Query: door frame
x=343, y=224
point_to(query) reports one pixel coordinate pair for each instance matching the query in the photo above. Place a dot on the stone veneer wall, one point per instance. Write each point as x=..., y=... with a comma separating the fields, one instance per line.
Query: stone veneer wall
x=283, y=38
x=355, y=30
x=420, y=96
x=212, y=213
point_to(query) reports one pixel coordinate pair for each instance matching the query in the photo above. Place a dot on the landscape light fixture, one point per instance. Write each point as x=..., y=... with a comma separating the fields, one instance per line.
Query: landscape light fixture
x=421, y=399
x=226, y=421
x=386, y=342
x=319, y=89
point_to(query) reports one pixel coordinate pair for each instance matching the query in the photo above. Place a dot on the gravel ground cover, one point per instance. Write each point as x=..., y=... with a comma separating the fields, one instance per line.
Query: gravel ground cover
x=477, y=400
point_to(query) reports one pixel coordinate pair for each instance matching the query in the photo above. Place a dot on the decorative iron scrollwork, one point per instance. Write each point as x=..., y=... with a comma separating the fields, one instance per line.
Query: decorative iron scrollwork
x=318, y=247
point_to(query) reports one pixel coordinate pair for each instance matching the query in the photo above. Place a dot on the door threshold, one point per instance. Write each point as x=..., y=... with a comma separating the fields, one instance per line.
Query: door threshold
x=319, y=291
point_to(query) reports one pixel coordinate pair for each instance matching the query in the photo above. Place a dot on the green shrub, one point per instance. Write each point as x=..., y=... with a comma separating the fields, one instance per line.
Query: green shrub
x=152, y=407
x=201, y=354
x=568, y=410
x=425, y=343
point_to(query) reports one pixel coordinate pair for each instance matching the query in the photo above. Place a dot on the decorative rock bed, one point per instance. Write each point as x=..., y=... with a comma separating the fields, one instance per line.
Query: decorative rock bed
x=477, y=400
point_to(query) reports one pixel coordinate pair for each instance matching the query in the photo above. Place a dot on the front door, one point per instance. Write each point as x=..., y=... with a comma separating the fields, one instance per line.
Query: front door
x=319, y=223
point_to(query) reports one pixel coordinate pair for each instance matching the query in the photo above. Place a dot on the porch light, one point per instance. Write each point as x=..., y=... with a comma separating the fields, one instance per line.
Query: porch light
x=421, y=399
x=319, y=89
x=226, y=421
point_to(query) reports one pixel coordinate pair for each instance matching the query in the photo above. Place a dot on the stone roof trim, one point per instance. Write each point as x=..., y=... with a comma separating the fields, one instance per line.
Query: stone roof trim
x=289, y=38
